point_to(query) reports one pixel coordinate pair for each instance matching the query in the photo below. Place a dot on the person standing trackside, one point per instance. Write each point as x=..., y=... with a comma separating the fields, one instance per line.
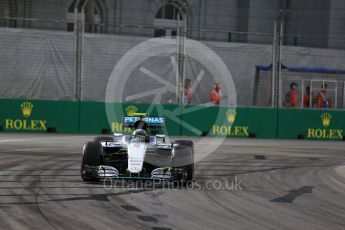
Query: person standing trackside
x=291, y=96
x=187, y=93
x=306, y=98
x=322, y=101
x=216, y=94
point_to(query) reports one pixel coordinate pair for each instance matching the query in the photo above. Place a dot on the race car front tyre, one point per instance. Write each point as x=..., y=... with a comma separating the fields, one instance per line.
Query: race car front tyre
x=92, y=156
x=190, y=144
x=183, y=158
x=185, y=142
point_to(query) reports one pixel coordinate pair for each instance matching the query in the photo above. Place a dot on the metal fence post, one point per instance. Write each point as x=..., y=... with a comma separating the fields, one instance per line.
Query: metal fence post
x=180, y=55
x=177, y=77
x=274, y=65
x=76, y=50
x=79, y=14
x=279, y=81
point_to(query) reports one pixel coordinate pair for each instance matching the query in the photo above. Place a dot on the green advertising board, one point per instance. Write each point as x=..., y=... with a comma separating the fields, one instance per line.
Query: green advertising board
x=187, y=121
x=23, y=115
x=311, y=124
x=243, y=122
x=94, y=117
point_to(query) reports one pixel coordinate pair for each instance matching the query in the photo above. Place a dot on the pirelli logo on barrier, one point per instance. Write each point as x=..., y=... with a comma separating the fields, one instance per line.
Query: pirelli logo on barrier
x=325, y=132
x=230, y=130
x=25, y=123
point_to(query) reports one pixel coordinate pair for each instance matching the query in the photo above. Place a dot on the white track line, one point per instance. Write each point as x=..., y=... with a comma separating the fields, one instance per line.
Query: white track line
x=23, y=139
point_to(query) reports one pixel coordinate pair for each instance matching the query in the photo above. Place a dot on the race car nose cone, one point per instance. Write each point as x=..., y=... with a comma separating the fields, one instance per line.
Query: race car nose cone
x=136, y=154
x=135, y=165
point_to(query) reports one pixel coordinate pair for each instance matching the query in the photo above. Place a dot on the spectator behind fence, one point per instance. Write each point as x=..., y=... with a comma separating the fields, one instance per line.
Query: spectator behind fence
x=322, y=101
x=306, y=97
x=216, y=94
x=291, y=96
x=187, y=92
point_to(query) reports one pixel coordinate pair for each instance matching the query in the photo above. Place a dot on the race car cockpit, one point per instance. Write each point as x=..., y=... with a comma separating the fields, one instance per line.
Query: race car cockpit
x=140, y=135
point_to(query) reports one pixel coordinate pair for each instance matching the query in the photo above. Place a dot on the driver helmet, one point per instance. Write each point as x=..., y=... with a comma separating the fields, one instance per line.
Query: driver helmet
x=140, y=135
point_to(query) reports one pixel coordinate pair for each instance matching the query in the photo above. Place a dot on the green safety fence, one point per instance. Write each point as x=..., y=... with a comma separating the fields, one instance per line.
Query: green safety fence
x=21, y=115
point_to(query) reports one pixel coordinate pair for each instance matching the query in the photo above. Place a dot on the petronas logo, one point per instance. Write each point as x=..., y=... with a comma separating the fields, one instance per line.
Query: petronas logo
x=26, y=108
x=326, y=119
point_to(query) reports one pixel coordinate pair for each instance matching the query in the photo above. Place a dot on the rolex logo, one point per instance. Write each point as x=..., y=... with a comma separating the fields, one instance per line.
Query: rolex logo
x=326, y=119
x=131, y=110
x=231, y=115
x=26, y=108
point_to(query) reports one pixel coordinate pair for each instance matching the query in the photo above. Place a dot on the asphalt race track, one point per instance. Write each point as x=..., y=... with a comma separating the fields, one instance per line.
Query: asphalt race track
x=245, y=184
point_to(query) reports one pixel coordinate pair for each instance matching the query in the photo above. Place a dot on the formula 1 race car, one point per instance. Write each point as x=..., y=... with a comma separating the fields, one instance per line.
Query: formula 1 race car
x=142, y=155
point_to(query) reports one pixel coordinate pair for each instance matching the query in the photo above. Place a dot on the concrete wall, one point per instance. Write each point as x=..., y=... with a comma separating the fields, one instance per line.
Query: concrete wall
x=337, y=24
x=315, y=23
x=261, y=17
x=40, y=64
x=309, y=20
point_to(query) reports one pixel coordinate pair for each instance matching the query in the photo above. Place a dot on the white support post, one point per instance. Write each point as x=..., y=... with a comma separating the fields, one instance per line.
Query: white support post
x=78, y=45
x=177, y=70
x=274, y=66
x=76, y=50
x=281, y=42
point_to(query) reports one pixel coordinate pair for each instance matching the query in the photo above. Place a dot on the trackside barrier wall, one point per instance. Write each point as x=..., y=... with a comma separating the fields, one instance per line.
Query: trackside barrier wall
x=39, y=115
x=311, y=124
x=20, y=115
x=188, y=121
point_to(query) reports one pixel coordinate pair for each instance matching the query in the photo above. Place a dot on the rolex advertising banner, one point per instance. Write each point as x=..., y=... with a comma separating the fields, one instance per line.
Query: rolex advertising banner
x=23, y=115
x=245, y=122
x=311, y=124
x=229, y=122
x=186, y=121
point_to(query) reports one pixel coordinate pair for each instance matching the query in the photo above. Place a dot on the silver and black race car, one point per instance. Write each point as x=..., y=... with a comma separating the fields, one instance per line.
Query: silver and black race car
x=142, y=155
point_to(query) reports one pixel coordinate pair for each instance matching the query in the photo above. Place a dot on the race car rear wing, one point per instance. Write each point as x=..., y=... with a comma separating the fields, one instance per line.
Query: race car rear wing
x=152, y=122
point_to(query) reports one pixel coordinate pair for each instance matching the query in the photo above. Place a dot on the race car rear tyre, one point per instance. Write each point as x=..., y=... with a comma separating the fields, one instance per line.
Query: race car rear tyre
x=92, y=156
x=103, y=138
x=184, y=158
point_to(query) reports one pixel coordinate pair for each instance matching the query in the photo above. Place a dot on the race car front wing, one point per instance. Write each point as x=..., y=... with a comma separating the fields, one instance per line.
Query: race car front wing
x=105, y=171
